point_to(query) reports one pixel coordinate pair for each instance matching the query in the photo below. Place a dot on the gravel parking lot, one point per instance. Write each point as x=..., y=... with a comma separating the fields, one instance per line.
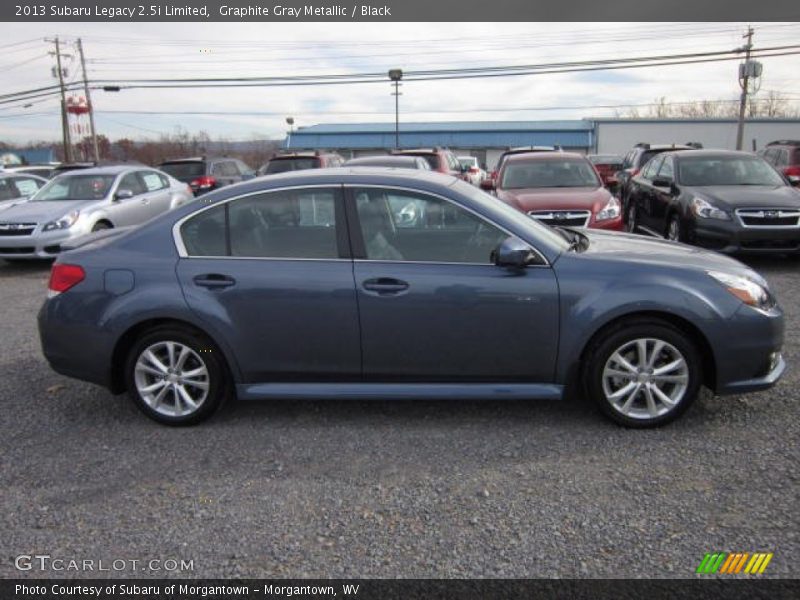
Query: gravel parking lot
x=382, y=489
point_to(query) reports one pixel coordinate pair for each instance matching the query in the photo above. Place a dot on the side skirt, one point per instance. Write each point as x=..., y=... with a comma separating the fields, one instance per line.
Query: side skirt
x=400, y=391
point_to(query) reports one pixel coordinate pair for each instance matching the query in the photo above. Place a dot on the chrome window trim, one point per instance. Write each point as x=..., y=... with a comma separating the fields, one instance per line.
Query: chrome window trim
x=181, y=247
x=182, y=253
x=545, y=262
x=758, y=213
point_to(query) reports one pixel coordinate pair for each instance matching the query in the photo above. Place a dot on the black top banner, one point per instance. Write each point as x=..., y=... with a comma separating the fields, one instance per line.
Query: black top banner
x=398, y=10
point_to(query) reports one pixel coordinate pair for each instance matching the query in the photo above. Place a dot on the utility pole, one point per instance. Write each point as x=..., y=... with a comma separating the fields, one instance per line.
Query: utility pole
x=64, y=122
x=744, y=81
x=396, y=75
x=89, y=103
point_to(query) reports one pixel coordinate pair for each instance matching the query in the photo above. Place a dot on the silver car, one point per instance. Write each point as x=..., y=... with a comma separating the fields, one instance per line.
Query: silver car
x=18, y=187
x=79, y=202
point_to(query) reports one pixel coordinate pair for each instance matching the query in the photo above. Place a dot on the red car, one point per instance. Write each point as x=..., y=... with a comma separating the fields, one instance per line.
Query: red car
x=784, y=155
x=558, y=188
x=441, y=160
x=607, y=166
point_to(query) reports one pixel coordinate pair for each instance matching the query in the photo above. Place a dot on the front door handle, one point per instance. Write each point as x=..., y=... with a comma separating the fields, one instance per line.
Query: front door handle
x=214, y=280
x=385, y=286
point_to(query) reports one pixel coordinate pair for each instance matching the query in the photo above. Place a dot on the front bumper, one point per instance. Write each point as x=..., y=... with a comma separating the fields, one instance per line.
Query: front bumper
x=731, y=237
x=748, y=354
x=38, y=245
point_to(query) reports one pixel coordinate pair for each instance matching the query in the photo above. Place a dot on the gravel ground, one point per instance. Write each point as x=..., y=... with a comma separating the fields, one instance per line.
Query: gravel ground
x=382, y=489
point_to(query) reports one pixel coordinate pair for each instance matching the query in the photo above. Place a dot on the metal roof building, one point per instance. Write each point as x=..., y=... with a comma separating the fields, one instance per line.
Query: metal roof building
x=478, y=136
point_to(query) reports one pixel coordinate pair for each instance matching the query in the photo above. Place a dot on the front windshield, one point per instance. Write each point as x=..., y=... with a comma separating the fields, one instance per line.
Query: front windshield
x=542, y=231
x=76, y=187
x=727, y=170
x=548, y=174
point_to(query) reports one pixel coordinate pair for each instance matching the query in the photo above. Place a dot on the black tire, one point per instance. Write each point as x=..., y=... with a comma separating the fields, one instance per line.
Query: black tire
x=630, y=221
x=203, y=353
x=607, y=343
x=675, y=229
x=101, y=226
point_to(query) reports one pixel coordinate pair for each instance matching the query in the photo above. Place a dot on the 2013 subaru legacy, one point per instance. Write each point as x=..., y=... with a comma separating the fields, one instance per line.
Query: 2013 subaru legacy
x=313, y=284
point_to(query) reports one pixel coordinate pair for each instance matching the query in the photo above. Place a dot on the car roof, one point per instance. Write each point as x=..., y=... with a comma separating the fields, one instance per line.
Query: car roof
x=197, y=159
x=18, y=174
x=389, y=158
x=528, y=156
x=110, y=170
x=664, y=147
x=710, y=153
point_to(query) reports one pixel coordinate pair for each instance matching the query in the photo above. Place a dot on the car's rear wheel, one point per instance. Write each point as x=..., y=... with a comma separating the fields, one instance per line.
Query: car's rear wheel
x=630, y=224
x=643, y=374
x=176, y=376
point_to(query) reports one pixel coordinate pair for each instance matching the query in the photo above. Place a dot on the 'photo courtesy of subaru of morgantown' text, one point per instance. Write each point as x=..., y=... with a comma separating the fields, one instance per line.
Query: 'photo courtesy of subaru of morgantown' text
x=316, y=301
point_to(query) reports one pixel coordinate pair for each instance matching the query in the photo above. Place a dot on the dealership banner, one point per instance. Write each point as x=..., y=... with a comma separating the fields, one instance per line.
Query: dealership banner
x=397, y=589
x=397, y=10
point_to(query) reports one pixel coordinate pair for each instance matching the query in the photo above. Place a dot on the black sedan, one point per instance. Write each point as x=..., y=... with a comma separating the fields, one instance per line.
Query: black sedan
x=722, y=200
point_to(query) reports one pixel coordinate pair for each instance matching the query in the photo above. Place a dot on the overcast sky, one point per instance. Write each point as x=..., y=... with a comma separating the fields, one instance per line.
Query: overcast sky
x=159, y=50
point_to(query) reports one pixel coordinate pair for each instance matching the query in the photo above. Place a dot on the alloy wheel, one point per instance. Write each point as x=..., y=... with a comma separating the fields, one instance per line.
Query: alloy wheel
x=171, y=378
x=645, y=378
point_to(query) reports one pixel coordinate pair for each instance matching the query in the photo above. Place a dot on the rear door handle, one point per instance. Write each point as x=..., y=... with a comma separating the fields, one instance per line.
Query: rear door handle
x=214, y=280
x=385, y=285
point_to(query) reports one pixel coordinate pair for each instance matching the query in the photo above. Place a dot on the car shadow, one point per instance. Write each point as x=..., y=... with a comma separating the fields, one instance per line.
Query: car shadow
x=15, y=268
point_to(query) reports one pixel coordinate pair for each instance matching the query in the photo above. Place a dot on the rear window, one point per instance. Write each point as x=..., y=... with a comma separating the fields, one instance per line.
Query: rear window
x=431, y=159
x=184, y=170
x=282, y=165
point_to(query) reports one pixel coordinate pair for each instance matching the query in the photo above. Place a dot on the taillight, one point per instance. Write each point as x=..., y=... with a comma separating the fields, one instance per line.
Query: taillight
x=635, y=172
x=473, y=169
x=64, y=277
x=792, y=173
x=204, y=182
x=493, y=174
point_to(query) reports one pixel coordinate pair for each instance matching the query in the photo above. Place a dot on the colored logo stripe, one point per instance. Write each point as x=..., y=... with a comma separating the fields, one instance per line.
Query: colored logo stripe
x=733, y=563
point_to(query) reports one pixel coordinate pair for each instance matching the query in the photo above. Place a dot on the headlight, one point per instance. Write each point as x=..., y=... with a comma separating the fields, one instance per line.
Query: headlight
x=705, y=210
x=64, y=222
x=610, y=211
x=748, y=291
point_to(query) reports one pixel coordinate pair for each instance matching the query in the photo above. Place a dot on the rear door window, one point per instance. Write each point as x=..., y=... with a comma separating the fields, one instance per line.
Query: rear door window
x=298, y=223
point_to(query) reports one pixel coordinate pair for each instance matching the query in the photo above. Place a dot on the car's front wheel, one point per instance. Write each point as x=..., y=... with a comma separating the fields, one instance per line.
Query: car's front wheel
x=176, y=376
x=643, y=374
x=675, y=229
x=630, y=224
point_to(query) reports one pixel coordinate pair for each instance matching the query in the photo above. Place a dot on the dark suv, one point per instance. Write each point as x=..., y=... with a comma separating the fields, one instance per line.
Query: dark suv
x=784, y=155
x=439, y=159
x=206, y=174
x=299, y=161
x=635, y=160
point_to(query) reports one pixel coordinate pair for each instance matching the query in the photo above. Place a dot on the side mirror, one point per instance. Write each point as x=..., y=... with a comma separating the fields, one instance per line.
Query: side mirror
x=123, y=195
x=794, y=180
x=488, y=184
x=662, y=183
x=513, y=252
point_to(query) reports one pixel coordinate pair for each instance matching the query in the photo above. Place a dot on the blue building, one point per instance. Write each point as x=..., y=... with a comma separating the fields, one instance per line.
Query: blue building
x=483, y=139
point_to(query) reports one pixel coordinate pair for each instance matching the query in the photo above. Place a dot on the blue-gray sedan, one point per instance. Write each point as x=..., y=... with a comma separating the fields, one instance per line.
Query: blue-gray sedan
x=318, y=284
